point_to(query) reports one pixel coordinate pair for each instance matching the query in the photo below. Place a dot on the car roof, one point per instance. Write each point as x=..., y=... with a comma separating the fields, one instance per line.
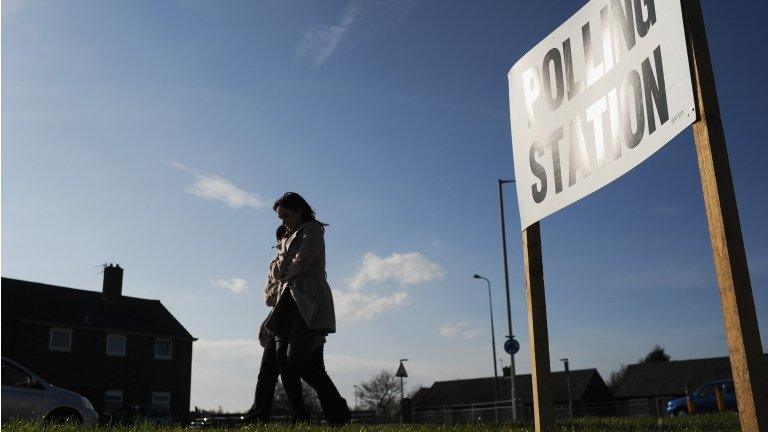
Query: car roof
x=6, y=359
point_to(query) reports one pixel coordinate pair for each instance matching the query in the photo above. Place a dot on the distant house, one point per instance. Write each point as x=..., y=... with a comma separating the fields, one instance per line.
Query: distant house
x=113, y=349
x=647, y=387
x=468, y=400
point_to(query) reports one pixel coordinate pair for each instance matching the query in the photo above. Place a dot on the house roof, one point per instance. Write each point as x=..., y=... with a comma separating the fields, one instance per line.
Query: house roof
x=480, y=390
x=670, y=378
x=42, y=303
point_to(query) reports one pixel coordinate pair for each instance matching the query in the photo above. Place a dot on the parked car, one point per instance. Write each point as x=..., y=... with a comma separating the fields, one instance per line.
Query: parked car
x=212, y=422
x=26, y=396
x=704, y=399
x=137, y=414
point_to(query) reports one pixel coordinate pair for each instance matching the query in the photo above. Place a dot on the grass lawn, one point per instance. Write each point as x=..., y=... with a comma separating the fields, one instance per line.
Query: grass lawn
x=705, y=423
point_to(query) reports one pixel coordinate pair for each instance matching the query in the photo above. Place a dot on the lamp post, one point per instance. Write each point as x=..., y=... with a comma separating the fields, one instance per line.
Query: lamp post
x=509, y=309
x=493, y=347
x=401, y=373
x=568, y=383
x=356, y=393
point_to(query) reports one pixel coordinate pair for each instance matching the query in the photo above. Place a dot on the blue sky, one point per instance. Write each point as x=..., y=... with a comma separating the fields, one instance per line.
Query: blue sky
x=157, y=134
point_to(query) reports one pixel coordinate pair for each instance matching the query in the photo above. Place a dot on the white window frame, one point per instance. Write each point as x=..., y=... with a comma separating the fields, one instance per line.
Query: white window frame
x=116, y=354
x=50, y=339
x=113, y=393
x=166, y=402
x=170, y=349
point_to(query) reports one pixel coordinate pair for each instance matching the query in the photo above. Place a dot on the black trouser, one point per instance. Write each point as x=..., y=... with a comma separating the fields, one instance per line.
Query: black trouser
x=261, y=410
x=334, y=406
x=296, y=361
x=292, y=360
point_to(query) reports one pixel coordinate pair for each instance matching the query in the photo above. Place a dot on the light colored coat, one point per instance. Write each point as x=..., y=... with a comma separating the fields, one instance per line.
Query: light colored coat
x=304, y=277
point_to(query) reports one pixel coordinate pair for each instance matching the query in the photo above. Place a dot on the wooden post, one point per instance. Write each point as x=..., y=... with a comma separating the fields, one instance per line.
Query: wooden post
x=737, y=302
x=537, y=329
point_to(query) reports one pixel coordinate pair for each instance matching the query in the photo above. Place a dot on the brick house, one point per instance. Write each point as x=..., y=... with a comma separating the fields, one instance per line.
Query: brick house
x=471, y=400
x=113, y=349
x=647, y=387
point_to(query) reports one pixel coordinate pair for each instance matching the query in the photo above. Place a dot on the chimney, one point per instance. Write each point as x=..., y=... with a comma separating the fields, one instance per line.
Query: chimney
x=113, y=282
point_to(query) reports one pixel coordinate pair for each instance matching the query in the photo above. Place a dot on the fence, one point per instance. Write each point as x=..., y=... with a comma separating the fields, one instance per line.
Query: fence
x=485, y=413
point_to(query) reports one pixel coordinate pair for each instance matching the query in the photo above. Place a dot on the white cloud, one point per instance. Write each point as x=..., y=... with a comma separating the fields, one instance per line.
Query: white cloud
x=236, y=285
x=354, y=305
x=406, y=269
x=459, y=330
x=217, y=188
x=318, y=43
x=12, y=6
x=224, y=372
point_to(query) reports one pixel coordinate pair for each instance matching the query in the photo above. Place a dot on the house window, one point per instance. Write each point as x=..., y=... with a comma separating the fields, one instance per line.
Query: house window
x=113, y=401
x=116, y=345
x=60, y=340
x=163, y=349
x=162, y=401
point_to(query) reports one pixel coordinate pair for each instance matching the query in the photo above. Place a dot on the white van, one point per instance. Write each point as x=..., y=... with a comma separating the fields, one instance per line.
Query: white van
x=26, y=396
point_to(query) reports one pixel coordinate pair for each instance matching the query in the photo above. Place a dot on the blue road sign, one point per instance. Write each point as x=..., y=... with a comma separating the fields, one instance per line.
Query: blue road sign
x=512, y=346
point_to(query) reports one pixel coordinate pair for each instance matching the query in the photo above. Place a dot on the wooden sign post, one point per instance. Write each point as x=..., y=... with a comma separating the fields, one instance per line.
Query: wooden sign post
x=742, y=332
x=537, y=329
x=655, y=52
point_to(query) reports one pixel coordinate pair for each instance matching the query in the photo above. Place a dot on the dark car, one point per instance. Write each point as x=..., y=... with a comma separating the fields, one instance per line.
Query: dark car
x=218, y=422
x=137, y=414
x=704, y=399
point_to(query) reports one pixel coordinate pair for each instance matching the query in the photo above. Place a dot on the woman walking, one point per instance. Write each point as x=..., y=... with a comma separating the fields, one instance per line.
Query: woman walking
x=261, y=410
x=303, y=313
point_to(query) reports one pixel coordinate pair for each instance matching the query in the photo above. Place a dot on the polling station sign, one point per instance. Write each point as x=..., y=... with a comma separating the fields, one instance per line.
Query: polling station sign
x=598, y=96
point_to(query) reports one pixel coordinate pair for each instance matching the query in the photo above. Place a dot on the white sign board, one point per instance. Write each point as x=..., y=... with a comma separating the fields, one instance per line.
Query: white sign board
x=599, y=95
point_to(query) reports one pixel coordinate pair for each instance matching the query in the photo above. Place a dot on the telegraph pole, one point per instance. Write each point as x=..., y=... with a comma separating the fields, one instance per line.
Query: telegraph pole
x=509, y=309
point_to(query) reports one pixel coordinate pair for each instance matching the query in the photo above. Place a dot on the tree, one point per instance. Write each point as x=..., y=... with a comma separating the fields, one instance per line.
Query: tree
x=381, y=391
x=281, y=405
x=412, y=392
x=617, y=377
x=656, y=355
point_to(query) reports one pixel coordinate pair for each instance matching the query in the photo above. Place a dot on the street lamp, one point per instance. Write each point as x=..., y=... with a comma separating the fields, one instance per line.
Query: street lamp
x=509, y=309
x=493, y=359
x=568, y=382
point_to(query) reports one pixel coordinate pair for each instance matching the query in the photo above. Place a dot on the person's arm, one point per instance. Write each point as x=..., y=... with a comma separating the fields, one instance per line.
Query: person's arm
x=270, y=293
x=312, y=245
x=272, y=286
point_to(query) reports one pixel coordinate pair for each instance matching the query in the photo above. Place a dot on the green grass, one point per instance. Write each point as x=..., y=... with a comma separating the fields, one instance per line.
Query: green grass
x=705, y=423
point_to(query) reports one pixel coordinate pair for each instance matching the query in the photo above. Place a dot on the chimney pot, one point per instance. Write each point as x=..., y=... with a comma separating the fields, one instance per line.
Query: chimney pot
x=113, y=282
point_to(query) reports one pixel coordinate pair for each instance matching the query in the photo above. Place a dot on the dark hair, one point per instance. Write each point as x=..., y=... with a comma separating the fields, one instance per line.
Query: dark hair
x=295, y=202
x=280, y=231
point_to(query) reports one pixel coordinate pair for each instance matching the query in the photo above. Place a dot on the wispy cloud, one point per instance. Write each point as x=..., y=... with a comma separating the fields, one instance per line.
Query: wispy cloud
x=459, y=330
x=13, y=6
x=405, y=269
x=217, y=188
x=351, y=306
x=236, y=285
x=319, y=42
x=663, y=277
x=669, y=210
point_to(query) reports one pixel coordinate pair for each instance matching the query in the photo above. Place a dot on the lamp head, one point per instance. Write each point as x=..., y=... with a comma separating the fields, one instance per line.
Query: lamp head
x=477, y=276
